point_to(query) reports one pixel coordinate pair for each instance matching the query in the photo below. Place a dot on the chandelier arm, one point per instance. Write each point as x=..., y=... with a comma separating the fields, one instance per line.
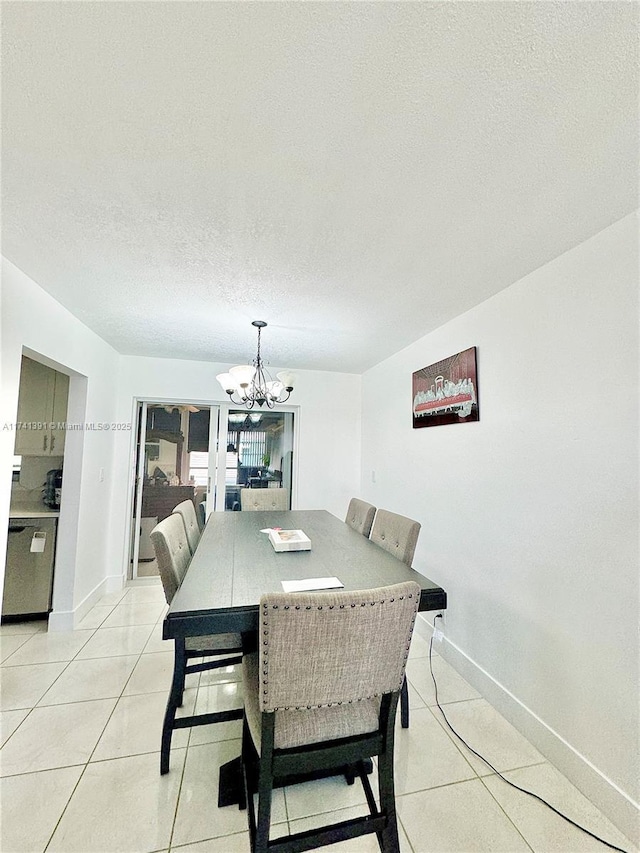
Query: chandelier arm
x=237, y=402
x=261, y=388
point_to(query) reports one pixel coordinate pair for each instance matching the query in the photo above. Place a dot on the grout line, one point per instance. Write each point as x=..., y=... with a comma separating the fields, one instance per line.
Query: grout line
x=140, y=656
x=504, y=811
x=66, y=806
x=27, y=637
x=86, y=764
x=179, y=792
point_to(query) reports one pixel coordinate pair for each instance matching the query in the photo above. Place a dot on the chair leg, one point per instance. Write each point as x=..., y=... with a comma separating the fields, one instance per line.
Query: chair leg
x=404, y=704
x=173, y=703
x=247, y=757
x=265, y=785
x=389, y=841
x=388, y=837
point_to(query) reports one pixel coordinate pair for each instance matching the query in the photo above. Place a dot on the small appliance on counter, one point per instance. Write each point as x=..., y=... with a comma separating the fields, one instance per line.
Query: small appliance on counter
x=52, y=488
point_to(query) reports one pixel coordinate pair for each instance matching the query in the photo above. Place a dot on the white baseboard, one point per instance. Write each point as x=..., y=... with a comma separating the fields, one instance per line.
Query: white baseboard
x=66, y=620
x=598, y=788
x=114, y=583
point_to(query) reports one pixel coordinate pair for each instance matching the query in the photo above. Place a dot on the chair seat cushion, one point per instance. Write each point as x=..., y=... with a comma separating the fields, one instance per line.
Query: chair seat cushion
x=214, y=643
x=297, y=728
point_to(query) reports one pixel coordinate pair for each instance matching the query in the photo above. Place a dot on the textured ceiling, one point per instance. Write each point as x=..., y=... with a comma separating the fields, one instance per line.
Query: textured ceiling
x=354, y=173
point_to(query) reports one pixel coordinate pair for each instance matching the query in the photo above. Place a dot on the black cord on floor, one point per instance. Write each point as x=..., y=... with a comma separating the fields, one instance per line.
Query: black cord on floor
x=497, y=772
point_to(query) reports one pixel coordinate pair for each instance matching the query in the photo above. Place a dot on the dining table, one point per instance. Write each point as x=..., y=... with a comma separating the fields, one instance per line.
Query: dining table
x=235, y=564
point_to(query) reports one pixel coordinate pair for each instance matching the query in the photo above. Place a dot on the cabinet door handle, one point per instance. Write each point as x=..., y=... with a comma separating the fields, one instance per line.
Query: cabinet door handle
x=53, y=441
x=45, y=442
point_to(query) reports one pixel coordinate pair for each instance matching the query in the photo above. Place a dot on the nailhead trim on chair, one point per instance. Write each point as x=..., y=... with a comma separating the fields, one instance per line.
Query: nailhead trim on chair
x=265, y=643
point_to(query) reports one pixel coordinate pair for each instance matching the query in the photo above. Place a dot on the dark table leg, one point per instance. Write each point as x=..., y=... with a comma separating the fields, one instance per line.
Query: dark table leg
x=231, y=786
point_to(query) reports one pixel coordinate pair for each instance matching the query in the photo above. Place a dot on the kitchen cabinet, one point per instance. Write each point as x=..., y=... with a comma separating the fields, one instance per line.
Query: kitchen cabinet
x=42, y=410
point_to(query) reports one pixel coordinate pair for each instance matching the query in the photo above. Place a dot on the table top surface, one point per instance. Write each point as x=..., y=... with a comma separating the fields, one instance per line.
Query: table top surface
x=235, y=564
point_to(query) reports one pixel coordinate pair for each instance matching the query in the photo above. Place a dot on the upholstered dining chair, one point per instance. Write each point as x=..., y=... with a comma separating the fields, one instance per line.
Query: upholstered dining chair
x=320, y=695
x=187, y=511
x=173, y=556
x=263, y=499
x=398, y=535
x=360, y=516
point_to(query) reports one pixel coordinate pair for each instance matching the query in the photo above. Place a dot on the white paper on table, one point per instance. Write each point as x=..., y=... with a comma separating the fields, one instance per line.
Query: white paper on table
x=311, y=583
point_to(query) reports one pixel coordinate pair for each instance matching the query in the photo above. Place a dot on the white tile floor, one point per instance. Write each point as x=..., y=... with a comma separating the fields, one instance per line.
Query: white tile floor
x=80, y=719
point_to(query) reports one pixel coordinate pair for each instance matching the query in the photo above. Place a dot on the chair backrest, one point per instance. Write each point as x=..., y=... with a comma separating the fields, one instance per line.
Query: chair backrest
x=323, y=648
x=172, y=553
x=264, y=499
x=360, y=516
x=187, y=511
x=396, y=534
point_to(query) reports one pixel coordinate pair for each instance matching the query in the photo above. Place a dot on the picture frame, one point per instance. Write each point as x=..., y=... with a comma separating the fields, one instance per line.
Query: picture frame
x=446, y=392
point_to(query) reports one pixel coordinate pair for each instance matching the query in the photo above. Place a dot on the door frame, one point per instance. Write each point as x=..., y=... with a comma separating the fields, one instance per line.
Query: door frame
x=136, y=460
x=215, y=482
x=225, y=408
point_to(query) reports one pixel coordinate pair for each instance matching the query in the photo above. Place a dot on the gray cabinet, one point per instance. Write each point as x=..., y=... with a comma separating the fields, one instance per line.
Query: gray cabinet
x=42, y=406
x=29, y=573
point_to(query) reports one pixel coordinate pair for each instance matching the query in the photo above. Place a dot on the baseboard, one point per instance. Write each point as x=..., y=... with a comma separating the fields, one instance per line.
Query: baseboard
x=114, y=583
x=67, y=620
x=152, y=580
x=602, y=791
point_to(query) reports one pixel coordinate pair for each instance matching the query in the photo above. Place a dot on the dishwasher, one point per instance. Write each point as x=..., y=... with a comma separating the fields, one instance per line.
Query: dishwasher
x=28, y=578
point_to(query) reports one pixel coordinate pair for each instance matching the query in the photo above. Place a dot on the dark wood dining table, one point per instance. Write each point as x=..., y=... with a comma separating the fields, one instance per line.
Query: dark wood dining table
x=235, y=563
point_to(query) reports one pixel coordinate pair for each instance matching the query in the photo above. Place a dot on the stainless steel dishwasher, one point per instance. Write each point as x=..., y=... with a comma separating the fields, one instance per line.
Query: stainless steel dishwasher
x=28, y=578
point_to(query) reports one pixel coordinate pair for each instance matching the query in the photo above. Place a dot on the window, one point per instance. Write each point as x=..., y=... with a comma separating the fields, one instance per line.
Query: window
x=231, y=469
x=252, y=446
x=198, y=468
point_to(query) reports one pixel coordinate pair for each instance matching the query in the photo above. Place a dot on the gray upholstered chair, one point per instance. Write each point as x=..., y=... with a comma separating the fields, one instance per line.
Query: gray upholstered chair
x=360, y=516
x=187, y=510
x=398, y=535
x=264, y=499
x=320, y=695
x=173, y=555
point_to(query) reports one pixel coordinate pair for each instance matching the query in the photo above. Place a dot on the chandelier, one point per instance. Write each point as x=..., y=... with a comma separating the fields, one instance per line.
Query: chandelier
x=251, y=383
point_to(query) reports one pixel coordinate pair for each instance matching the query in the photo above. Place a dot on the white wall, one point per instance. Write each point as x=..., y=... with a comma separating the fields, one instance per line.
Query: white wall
x=327, y=406
x=33, y=320
x=92, y=543
x=530, y=516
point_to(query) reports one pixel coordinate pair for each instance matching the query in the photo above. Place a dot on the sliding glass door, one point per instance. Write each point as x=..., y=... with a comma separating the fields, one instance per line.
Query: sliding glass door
x=175, y=454
x=259, y=453
x=206, y=454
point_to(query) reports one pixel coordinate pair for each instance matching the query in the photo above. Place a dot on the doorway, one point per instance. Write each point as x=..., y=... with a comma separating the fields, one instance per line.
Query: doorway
x=172, y=465
x=203, y=453
x=259, y=453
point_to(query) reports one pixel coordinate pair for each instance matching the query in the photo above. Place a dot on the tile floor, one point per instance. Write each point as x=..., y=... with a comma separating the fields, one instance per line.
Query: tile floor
x=80, y=719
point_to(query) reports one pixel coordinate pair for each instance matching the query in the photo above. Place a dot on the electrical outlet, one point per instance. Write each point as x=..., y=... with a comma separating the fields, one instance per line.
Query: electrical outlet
x=101, y=476
x=438, y=625
x=373, y=476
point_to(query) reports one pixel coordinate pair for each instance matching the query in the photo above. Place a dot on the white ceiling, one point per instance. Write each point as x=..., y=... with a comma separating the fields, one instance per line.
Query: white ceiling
x=354, y=173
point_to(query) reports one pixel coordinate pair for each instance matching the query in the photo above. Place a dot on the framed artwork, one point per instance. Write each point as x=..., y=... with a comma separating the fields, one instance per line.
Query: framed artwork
x=446, y=392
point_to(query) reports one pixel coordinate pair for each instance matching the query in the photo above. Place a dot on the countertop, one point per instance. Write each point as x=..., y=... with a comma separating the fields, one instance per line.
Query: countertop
x=32, y=511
